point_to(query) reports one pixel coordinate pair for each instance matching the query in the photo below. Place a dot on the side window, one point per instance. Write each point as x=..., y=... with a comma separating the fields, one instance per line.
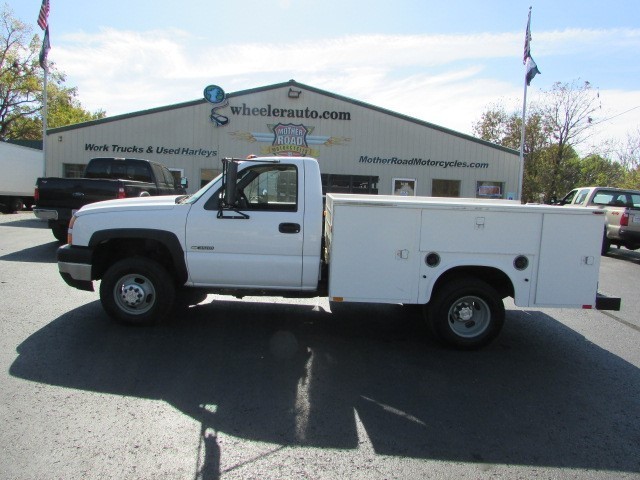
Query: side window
x=272, y=187
x=603, y=197
x=264, y=188
x=568, y=198
x=158, y=171
x=582, y=195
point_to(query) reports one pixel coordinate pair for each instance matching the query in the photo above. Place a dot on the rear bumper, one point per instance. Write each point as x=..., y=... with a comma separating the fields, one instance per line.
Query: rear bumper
x=45, y=214
x=74, y=265
x=607, y=303
x=629, y=236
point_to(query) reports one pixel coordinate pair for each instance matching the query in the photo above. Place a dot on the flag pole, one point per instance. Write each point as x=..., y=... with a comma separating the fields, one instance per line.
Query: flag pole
x=44, y=123
x=43, y=23
x=524, y=114
x=525, y=58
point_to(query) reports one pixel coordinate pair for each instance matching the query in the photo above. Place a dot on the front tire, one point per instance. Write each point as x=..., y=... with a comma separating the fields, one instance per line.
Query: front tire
x=137, y=291
x=466, y=313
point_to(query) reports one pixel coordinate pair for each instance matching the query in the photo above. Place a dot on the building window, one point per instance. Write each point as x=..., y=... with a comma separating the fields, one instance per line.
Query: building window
x=349, y=184
x=73, y=170
x=489, y=189
x=405, y=187
x=445, y=188
x=208, y=174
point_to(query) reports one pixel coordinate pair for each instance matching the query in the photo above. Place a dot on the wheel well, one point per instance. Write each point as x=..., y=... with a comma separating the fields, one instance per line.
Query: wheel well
x=110, y=251
x=492, y=276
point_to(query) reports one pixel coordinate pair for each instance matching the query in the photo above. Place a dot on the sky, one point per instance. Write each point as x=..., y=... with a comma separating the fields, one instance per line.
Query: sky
x=441, y=62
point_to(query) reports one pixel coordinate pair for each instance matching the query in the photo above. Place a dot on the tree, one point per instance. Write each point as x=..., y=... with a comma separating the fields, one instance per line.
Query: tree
x=21, y=86
x=555, y=125
x=567, y=117
x=597, y=170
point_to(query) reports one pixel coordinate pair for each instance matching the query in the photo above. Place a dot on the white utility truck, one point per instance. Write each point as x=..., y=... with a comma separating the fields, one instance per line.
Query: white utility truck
x=20, y=167
x=258, y=229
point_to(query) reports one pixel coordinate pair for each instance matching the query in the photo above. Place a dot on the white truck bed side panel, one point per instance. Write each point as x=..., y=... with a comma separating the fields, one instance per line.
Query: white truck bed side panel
x=569, y=260
x=374, y=253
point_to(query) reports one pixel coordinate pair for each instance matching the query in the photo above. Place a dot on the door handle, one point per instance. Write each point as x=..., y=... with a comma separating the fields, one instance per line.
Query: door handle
x=289, y=228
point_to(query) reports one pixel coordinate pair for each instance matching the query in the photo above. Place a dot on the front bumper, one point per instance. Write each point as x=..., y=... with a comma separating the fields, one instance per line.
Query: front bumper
x=74, y=265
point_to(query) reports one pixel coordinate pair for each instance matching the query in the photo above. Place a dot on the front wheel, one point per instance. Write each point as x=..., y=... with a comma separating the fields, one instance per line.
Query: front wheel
x=466, y=313
x=137, y=291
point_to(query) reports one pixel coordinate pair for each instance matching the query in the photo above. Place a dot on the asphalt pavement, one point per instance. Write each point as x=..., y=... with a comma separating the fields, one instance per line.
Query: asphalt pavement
x=270, y=388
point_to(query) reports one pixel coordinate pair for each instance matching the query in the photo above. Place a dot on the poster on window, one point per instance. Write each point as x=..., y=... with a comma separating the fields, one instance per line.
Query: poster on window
x=405, y=187
x=489, y=190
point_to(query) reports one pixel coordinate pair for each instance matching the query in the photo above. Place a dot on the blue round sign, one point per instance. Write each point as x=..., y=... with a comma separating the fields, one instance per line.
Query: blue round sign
x=214, y=94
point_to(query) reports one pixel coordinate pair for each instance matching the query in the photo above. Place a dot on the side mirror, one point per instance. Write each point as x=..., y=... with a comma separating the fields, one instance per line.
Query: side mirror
x=231, y=177
x=184, y=182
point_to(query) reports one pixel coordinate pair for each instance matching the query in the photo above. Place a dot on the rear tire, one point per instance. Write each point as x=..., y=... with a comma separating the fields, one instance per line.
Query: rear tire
x=15, y=205
x=466, y=313
x=60, y=232
x=137, y=291
x=606, y=244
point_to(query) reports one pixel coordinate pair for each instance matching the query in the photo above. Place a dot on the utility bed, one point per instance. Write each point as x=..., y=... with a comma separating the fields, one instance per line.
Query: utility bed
x=377, y=247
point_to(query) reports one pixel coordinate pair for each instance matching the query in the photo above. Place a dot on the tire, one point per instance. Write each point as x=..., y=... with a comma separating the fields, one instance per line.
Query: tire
x=606, y=244
x=137, y=291
x=15, y=205
x=465, y=313
x=60, y=232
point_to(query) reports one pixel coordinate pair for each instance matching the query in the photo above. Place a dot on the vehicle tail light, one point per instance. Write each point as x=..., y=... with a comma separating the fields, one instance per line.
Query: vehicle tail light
x=121, y=193
x=36, y=194
x=624, y=221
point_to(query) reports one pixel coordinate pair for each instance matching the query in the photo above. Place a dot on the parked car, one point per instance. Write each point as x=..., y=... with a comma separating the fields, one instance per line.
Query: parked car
x=104, y=179
x=622, y=207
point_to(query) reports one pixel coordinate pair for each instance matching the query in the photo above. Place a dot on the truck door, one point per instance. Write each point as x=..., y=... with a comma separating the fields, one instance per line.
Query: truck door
x=263, y=250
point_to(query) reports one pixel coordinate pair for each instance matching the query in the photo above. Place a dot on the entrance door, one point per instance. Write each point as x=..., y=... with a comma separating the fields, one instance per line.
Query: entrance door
x=263, y=250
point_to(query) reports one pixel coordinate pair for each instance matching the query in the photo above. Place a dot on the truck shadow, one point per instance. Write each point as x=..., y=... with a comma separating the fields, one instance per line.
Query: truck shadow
x=292, y=375
x=45, y=253
x=26, y=223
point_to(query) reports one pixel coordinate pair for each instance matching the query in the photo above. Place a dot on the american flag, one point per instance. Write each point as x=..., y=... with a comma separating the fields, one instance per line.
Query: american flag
x=527, y=41
x=44, y=51
x=43, y=16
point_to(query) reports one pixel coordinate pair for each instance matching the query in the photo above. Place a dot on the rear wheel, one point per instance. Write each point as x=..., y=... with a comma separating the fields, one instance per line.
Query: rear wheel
x=15, y=205
x=137, y=291
x=60, y=232
x=606, y=244
x=466, y=313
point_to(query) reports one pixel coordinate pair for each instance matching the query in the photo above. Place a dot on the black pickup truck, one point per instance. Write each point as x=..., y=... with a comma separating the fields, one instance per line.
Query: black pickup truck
x=104, y=179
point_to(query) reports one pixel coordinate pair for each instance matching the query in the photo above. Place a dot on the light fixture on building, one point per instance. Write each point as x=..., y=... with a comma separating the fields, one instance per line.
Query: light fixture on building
x=294, y=93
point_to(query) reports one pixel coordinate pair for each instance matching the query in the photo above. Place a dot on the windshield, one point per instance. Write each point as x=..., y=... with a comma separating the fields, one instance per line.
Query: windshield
x=196, y=196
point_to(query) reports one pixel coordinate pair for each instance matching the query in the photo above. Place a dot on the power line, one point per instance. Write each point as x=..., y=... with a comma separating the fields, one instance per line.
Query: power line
x=615, y=116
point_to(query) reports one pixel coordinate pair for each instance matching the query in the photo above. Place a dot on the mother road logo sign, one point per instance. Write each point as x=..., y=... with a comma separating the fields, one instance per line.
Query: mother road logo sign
x=288, y=139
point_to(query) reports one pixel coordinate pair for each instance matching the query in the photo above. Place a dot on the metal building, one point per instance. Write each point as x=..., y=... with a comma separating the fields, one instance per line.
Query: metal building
x=360, y=147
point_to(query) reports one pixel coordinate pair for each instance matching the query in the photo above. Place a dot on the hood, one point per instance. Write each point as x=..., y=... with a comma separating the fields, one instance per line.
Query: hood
x=164, y=202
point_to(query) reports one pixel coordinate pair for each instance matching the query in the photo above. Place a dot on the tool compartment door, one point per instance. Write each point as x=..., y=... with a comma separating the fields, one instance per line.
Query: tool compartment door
x=374, y=256
x=569, y=260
